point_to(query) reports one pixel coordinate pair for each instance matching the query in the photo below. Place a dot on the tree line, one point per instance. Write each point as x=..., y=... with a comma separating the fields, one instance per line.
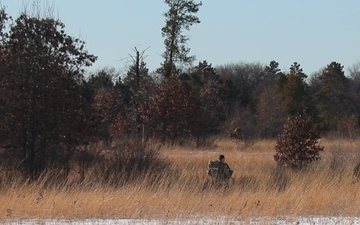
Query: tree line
x=48, y=107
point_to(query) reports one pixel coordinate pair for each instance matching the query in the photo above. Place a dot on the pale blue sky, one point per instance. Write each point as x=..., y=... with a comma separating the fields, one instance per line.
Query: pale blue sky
x=310, y=32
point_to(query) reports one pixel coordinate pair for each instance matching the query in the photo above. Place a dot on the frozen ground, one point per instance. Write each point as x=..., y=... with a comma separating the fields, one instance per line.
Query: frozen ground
x=280, y=221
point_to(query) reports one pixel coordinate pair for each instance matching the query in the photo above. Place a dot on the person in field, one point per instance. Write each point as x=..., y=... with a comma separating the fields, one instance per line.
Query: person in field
x=224, y=168
x=218, y=169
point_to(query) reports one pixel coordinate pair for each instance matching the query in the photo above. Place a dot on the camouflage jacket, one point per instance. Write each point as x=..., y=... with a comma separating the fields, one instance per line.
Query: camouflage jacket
x=224, y=170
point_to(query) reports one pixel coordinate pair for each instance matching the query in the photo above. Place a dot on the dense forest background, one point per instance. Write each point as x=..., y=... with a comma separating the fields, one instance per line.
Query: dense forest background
x=49, y=105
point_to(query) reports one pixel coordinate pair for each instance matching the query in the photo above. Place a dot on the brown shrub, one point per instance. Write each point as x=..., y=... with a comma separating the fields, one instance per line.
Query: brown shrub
x=296, y=146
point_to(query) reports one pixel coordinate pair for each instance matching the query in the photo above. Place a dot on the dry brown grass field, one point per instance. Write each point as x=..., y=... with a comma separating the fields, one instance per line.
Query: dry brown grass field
x=259, y=189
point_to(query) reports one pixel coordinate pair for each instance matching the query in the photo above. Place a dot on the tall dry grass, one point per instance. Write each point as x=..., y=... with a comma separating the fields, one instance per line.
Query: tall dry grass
x=259, y=188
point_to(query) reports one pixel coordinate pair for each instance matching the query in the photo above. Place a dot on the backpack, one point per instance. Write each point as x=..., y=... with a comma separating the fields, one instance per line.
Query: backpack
x=213, y=168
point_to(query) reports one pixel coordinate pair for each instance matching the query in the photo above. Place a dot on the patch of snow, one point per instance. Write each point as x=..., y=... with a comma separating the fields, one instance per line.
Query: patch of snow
x=258, y=221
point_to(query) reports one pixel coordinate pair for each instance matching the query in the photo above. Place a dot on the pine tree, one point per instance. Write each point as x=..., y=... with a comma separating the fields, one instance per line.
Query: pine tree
x=180, y=16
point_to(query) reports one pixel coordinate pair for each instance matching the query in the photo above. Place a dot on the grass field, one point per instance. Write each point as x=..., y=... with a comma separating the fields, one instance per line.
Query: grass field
x=326, y=188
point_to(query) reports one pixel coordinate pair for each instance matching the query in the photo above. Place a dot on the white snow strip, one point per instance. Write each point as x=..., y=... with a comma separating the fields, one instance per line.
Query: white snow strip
x=258, y=221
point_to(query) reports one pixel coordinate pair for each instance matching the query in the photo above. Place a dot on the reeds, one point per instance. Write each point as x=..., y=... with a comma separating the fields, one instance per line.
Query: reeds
x=182, y=189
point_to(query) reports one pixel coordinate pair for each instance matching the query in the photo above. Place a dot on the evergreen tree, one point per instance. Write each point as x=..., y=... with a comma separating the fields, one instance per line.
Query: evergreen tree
x=101, y=79
x=272, y=68
x=333, y=101
x=138, y=73
x=269, y=109
x=204, y=73
x=294, y=89
x=180, y=16
x=138, y=84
